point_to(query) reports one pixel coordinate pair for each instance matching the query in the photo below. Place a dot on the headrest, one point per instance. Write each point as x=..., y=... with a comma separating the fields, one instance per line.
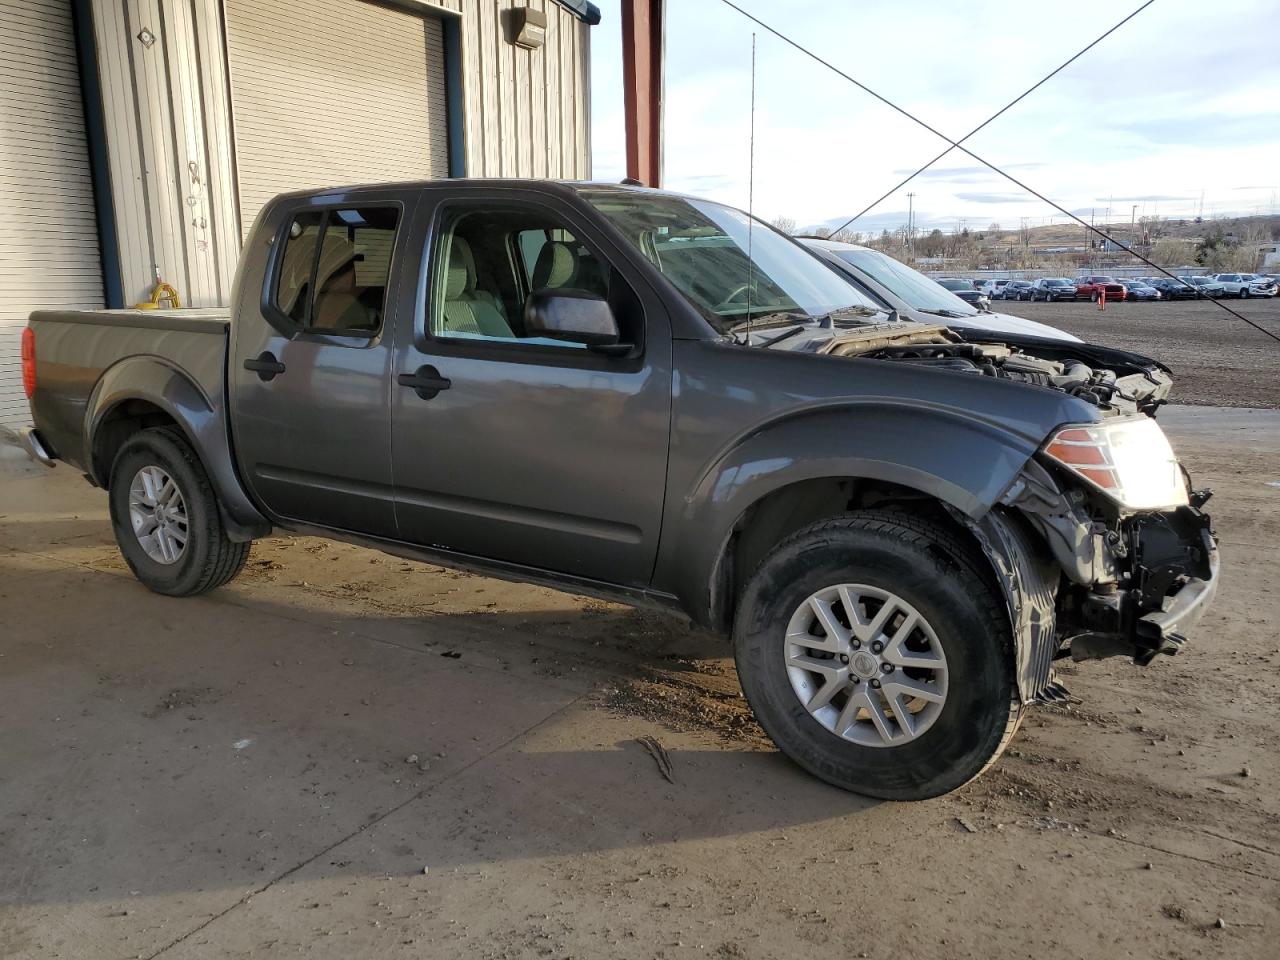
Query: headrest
x=557, y=264
x=461, y=274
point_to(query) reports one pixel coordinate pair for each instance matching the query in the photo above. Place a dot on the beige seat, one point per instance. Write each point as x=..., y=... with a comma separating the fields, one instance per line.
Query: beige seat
x=465, y=309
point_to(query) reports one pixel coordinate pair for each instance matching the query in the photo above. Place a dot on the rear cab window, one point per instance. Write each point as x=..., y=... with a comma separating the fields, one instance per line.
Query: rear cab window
x=334, y=268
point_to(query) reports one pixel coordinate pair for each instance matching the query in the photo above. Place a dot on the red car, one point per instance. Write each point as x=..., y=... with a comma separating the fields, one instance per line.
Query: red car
x=1091, y=286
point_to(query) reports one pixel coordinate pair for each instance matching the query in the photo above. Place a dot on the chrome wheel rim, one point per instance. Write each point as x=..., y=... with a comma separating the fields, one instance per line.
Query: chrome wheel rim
x=158, y=515
x=866, y=665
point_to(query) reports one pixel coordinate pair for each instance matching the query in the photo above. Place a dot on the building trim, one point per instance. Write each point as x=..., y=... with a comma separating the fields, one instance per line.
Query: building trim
x=455, y=95
x=96, y=137
x=585, y=11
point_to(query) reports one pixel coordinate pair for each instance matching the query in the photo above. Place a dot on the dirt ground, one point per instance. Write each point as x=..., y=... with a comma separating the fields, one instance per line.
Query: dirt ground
x=345, y=755
x=1216, y=359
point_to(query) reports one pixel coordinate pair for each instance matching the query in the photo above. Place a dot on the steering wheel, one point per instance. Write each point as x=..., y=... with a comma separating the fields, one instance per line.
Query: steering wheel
x=735, y=297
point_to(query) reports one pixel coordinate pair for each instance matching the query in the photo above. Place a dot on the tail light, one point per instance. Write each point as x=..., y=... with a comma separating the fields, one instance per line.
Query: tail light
x=28, y=361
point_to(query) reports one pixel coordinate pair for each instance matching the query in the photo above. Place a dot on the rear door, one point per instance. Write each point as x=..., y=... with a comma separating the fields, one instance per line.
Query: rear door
x=311, y=360
x=528, y=450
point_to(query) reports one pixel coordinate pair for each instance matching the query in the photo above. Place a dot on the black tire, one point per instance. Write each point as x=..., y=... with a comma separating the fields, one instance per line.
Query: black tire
x=1244, y=293
x=1093, y=297
x=944, y=579
x=209, y=559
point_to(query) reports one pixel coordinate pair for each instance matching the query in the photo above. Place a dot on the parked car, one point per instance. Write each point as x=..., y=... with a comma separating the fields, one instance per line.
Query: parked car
x=1049, y=289
x=1018, y=290
x=1245, y=285
x=1206, y=286
x=1092, y=287
x=994, y=289
x=966, y=291
x=1139, y=290
x=1173, y=289
x=895, y=286
x=652, y=398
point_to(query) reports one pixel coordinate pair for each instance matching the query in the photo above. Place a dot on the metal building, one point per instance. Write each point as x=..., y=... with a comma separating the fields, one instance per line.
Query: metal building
x=139, y=138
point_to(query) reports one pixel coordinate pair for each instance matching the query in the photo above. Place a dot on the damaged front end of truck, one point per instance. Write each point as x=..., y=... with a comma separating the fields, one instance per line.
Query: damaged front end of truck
x=1101, y=544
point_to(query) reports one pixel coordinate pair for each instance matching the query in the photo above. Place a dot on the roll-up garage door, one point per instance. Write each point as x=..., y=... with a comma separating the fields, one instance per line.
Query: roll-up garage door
x=48, y=231
x=333, y=92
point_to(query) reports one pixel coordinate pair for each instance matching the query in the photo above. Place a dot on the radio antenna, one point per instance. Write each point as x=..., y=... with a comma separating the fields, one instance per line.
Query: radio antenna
x=751, y=186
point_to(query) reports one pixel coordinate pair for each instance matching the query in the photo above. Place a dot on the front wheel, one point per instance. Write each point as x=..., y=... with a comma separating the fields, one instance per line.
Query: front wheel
x=166, y=518
x=1244, y=293
x=875, y=652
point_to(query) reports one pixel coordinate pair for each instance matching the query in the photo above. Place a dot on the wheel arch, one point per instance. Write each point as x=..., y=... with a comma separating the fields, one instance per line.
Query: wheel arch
x=144, y=391
x=819, y=464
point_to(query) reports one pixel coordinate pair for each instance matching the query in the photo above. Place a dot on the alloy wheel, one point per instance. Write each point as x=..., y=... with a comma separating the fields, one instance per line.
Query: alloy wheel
x=158, y=515
x=866, y=665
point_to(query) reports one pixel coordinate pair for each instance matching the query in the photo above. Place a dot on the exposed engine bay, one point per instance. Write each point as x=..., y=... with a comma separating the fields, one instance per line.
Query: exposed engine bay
x=1112, y=380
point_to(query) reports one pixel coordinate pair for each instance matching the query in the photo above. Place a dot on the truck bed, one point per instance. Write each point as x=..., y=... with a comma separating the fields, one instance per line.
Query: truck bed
x=75, y=349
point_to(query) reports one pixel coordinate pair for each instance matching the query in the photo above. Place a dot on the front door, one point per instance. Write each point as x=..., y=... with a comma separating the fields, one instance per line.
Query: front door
x=310, y=366
x=516, y=447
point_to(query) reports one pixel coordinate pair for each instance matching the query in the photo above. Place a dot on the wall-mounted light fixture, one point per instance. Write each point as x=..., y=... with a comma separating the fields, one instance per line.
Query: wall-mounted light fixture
x=529, y=27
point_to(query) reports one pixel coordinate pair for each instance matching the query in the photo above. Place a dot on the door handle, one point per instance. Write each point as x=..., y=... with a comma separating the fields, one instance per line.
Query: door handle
x=426, y=381
x=265, y=365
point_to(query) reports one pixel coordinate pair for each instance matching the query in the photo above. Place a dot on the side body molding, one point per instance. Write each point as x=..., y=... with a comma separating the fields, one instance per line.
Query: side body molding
x=200, y=413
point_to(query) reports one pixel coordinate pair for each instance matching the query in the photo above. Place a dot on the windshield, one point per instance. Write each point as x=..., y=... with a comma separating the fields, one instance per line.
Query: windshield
x=702, y=248
x=915, y=288
x=956, y=284
x=1058, y=283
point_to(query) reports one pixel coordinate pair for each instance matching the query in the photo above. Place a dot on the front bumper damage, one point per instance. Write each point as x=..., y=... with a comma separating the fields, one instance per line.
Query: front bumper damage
x=1132, y=586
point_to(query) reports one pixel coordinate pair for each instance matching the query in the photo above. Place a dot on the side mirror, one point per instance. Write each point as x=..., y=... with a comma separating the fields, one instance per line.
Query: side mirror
x=575, y=316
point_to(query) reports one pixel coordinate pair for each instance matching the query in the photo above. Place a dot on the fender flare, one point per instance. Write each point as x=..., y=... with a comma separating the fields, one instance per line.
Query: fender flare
x=963, y=461
x=201, y=418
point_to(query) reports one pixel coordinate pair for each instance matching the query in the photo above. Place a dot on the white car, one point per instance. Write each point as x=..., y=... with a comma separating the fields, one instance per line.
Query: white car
x=896, y=286
x=1246, y=285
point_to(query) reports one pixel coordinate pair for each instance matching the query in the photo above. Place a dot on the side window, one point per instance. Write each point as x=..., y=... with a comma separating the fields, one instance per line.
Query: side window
x=487, y=262
x=334, y=269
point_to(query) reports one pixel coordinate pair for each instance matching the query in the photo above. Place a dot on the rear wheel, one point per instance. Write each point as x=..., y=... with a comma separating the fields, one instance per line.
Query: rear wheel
x=875, y=653
x=166, y=518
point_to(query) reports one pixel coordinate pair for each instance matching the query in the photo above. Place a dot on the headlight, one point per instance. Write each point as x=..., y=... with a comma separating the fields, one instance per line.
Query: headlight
x=1128, y=460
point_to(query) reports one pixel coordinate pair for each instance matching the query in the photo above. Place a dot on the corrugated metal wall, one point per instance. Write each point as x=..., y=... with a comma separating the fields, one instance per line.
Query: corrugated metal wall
x=164, y=91
x=526, y=110
x=48, y=230
x=316, y=107
x=166, y=98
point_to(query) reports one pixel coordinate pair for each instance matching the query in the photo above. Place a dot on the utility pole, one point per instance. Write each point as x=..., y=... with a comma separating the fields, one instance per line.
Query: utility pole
x=911, y=226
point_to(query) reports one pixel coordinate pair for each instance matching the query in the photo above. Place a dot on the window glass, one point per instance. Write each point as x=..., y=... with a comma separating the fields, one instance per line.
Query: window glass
x=294, y=288
x=729, y=266
x=334, y=269
x=487, y=264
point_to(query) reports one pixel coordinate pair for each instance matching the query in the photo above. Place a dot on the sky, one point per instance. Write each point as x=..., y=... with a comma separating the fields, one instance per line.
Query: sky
x=1182, y=103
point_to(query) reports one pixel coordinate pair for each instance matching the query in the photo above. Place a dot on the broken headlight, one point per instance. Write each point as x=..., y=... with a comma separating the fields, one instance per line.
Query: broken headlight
x=1128, y=460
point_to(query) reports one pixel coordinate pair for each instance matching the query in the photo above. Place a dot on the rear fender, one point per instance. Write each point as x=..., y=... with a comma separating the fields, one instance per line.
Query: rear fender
x=201, y=418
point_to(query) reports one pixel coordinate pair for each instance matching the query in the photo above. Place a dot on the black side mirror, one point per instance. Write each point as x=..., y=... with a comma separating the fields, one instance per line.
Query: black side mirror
x=575, y=316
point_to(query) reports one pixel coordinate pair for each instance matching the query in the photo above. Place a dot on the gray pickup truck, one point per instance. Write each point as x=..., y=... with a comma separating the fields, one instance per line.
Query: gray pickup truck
x=655, y=399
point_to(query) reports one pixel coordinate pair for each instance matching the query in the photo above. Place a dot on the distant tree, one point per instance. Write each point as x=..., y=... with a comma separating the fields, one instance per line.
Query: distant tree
x=846, y=236
x=932, y=244
x=993, y=227
x=1220, y=253
x=784, y=224
x=1172, y=252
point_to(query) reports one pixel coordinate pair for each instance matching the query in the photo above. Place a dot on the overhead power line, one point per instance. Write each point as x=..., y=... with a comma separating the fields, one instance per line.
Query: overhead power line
x=1008, y=106
x=956, y=145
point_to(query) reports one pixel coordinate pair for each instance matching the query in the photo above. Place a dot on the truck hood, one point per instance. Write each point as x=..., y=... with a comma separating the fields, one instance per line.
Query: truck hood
x=1115, y=381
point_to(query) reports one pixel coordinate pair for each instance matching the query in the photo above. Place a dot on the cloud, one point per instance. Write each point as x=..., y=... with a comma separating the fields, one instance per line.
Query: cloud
x=962, y=173
x=993, y=197
x=1147, y=198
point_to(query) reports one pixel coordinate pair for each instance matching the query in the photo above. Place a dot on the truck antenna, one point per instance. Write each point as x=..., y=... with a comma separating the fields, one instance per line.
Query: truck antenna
x=751, y=185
